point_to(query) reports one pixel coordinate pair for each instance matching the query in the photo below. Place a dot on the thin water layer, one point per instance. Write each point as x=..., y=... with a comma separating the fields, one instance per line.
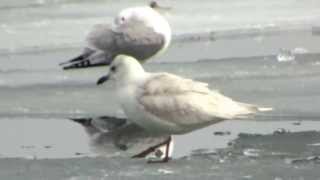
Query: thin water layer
x=291, y=155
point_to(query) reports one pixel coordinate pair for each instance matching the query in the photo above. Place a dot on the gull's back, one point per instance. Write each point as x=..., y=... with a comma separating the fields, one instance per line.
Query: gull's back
x=185, y=105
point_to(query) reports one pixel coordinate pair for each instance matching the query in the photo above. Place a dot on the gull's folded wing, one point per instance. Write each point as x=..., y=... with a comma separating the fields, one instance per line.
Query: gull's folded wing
x=187, y=103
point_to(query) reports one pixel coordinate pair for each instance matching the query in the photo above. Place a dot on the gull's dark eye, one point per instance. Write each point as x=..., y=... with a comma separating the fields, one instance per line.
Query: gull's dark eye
x=123, y=19
x=113, y=69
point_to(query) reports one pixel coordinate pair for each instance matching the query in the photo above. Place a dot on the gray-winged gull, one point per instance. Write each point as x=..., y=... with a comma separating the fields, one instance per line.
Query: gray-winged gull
x=140, y=32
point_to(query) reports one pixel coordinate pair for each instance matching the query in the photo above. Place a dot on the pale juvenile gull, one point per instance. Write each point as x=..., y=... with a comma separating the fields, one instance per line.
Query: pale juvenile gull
x=164, y=103
x=140, y=32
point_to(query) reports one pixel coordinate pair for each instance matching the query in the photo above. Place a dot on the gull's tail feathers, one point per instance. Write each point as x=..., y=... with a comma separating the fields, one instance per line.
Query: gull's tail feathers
x=254, y=109
x=250, y=110
x=87, y=59
x=265, y=109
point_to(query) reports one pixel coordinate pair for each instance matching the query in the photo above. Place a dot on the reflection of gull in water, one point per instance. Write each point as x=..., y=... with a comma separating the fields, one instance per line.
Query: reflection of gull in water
x=140, y=32
x=285, y=55
x=163, y=103
x=113, y=136
x=155, y=5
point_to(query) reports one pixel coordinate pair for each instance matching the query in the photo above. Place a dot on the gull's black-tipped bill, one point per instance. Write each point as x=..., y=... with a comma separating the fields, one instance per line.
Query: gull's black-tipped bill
x=102, y=79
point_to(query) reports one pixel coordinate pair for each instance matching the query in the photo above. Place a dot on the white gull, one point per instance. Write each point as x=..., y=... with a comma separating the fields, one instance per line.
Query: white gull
x=164, y=103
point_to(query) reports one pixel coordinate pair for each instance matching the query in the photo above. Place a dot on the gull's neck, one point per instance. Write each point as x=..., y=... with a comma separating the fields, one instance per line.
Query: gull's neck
x=133, y=78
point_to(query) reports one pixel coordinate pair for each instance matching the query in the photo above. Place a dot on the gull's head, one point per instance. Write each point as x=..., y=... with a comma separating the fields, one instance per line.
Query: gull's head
x=123, y=70
x=145, y=16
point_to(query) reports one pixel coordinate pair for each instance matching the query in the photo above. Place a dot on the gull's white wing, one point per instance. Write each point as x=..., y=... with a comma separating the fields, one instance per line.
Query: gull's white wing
x=105, y=42
x=187, y=103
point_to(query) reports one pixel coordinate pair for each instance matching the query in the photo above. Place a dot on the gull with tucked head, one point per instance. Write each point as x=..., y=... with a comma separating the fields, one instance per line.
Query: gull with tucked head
x=164, y=103
x=140, y=32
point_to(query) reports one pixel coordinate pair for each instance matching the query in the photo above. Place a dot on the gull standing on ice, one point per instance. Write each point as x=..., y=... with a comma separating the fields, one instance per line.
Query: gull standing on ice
x=164, y=103
x=140, y=32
